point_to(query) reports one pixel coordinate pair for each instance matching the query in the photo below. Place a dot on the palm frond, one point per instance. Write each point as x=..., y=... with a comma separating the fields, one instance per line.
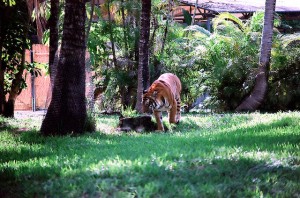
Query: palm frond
x=187, y=17
x=291, y=40
x=227, y=16
x=197, y=28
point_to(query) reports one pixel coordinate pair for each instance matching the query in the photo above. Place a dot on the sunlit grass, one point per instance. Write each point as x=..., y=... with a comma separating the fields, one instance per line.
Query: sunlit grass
x=212, y=155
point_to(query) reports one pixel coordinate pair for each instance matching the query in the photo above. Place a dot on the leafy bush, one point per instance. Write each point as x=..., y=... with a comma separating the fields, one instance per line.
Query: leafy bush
x=117, y=77
x=225, y=63
x=284, y=79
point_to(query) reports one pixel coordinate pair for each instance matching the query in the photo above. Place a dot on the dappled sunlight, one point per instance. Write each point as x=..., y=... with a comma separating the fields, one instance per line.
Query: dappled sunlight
x=258, y=119
x=107, y=124
x=202, y=155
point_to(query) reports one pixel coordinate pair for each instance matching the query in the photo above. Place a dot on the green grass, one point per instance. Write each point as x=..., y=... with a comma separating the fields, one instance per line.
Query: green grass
x=229, y=155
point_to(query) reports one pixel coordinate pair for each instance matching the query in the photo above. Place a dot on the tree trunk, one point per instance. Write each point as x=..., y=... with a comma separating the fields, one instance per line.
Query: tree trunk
x=90, y=21
x=156, y=63
x=16, y=83
x=256, y=97
x=124, y=29
x=2, y=68
x=143, y=68
x=2, y=94
x=67, y=111
x=16, y=89
x=111, y=35
x=194, y=15
x=53, y=25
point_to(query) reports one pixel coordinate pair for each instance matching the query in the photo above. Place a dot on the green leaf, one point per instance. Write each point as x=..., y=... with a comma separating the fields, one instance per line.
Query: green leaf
x=227, y=16
x=197, y=28
x=187, y=17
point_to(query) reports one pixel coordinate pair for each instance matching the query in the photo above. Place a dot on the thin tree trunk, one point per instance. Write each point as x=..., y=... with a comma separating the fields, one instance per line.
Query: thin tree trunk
x=90, y=95
x=67, y=111
x=111, y=36
x=194, y=15
x=39, y=28
x=124, y=29
x=2, y=68
x=53, y=53
x=152, y=37
x=136, y=44
x=16, y=83
x=143, y=69
x=166, y=29
x=2, y=71
x=256, y=98
x=156, y=63
x=90, y=21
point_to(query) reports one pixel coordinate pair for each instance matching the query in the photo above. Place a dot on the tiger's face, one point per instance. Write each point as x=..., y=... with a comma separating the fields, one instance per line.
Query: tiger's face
x=148, y=102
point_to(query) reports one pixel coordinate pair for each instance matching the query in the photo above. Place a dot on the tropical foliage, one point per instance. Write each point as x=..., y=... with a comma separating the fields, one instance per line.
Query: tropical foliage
x=15, y=31
x=225, y=62
x=113, y=44
x=221, y=64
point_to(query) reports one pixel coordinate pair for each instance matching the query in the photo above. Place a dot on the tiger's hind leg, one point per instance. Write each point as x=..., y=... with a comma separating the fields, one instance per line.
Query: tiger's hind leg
x=178, y=112
x=158, y=118
x=172, y=115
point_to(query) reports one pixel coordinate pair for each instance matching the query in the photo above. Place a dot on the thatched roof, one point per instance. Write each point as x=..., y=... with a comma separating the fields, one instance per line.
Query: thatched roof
x=243, y=6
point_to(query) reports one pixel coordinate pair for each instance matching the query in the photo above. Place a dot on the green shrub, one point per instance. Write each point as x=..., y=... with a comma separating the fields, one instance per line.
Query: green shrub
x=225, y=63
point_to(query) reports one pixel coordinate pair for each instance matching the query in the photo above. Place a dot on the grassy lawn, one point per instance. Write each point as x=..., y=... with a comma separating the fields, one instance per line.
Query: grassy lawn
x=229, y=155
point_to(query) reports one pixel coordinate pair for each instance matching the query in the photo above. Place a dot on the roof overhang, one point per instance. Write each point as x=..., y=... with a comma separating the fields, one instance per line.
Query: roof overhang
x=243, y=6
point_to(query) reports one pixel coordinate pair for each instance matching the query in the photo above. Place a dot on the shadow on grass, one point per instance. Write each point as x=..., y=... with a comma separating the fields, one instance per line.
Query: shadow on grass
x=151, y=178
x=5, y=126
x=180, y=164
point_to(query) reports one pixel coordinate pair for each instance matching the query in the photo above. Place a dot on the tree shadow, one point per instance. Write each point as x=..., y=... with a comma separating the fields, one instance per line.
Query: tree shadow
x=189, y=178
x=182, y=162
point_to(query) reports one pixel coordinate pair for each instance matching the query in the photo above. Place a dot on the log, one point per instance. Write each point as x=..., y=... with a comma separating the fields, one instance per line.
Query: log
x=139, y=124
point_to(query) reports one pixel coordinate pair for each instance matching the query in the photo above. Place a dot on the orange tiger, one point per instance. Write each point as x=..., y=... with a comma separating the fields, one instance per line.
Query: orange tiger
x=163, y=95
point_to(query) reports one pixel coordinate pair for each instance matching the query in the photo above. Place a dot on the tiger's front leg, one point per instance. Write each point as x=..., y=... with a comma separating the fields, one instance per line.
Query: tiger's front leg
x=158, y=118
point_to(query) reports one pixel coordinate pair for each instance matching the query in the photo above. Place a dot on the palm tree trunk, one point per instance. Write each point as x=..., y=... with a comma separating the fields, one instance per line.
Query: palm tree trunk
x=143, y=68
x=67, y=111
x=256, y=98
x=2, y=70
x=53, y=26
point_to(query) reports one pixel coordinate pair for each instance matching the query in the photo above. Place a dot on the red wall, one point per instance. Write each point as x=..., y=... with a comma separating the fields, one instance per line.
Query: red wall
x=42, y=83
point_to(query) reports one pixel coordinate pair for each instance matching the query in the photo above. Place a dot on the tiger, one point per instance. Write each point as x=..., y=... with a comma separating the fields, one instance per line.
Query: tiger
x=163, y=95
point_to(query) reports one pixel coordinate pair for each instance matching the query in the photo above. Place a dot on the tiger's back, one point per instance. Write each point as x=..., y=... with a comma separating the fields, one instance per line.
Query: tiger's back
x=163, y=95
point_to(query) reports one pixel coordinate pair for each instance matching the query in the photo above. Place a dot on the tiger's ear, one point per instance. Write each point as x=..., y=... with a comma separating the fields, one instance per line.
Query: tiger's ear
x=145, y=91
x=154, y=93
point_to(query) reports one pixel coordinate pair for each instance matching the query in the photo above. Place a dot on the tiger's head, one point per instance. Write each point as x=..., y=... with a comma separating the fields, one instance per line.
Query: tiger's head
x=149, y=101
